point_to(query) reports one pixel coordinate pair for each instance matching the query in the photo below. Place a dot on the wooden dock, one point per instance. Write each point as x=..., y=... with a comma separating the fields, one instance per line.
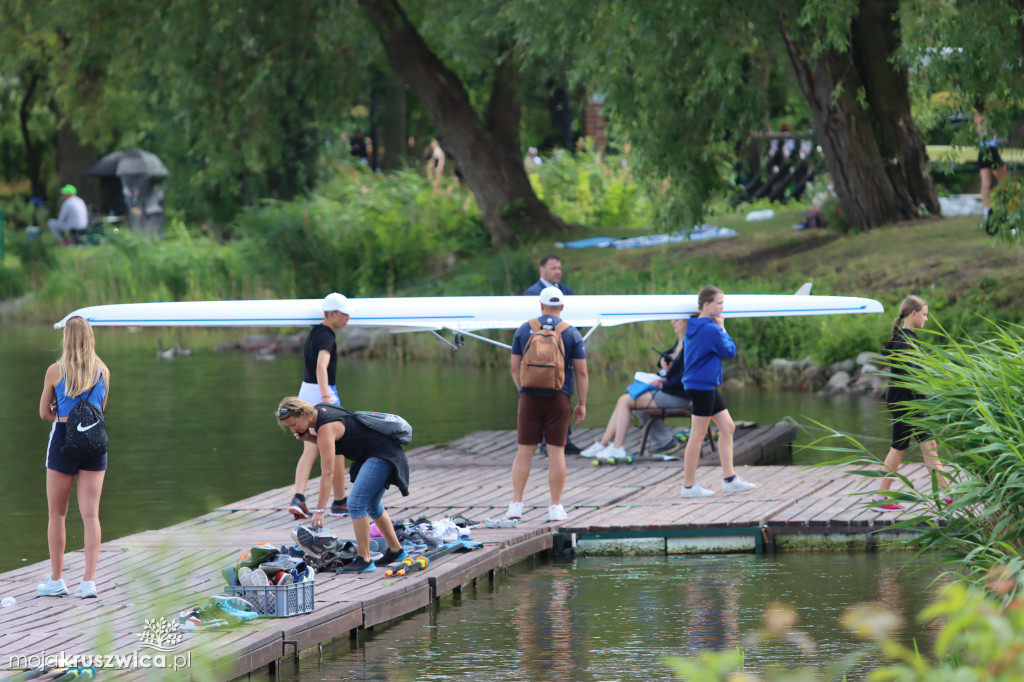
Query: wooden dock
x=626, y=508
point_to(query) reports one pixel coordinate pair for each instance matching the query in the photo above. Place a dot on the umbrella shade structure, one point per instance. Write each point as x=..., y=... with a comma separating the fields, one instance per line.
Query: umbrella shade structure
x=128, y=162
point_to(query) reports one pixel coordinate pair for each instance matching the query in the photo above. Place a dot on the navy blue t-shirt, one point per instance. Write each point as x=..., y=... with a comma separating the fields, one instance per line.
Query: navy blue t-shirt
x=572, y=341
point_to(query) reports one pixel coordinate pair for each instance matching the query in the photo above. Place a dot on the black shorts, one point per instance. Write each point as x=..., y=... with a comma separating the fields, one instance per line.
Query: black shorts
x=988, y=157
x=56, y=460
x=540, y=419
x=706, y=403
x=902, y=431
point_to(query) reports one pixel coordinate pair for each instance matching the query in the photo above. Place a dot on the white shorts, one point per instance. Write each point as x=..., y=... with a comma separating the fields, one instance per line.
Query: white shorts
x=311, y=394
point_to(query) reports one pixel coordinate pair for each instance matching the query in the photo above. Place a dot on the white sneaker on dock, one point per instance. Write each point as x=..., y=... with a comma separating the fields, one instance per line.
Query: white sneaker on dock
x=595, y=450
x=737, y=485
x=697, y=490
x=515, y=511
x=612, y=452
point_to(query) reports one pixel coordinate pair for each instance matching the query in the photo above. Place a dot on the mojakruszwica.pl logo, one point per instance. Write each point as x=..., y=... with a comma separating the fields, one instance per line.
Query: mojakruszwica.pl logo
x=157, y=642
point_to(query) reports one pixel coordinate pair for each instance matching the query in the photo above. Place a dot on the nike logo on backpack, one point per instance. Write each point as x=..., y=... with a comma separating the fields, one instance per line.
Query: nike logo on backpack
x=83, y=430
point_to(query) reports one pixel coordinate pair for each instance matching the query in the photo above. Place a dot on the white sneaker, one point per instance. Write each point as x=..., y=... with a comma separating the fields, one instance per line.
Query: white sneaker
x=52, y=588
x=697, y=490
x=243, y=576
x=515, y=511
x=612, y=452
x=556, y=512
x=594, y=450
x=737, y=485
x=86, y=590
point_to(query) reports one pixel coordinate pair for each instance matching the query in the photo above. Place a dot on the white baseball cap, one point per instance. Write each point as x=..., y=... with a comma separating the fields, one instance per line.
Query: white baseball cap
x=552, y=296
x=336, y=301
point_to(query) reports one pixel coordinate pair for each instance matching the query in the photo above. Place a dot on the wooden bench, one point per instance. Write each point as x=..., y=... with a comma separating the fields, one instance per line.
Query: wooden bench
x=666, y=413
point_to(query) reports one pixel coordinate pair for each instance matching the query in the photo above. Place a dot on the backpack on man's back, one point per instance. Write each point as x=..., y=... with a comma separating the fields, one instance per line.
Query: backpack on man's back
x=542, y=368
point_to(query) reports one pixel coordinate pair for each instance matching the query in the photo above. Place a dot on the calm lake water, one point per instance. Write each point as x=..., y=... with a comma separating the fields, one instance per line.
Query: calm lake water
x=197, y=432
x=606, y=618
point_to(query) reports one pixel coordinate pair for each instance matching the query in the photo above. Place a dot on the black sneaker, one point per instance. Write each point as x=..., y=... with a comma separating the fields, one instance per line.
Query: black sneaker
x=571, y=448
x=298, y=507
x=673, y=446
x=315, y=544
x=340, y=507
x=358, y=565
x=391, y=556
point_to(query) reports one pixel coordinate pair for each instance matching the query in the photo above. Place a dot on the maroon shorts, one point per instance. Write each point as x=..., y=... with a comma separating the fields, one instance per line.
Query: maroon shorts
x=543, y=419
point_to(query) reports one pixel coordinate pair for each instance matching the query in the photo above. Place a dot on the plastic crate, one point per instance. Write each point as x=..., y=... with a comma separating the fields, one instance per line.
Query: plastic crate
x=278, y=601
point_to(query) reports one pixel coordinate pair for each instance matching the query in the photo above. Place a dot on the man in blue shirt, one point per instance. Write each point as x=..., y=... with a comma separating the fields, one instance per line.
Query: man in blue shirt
x=550, y=276
x=545, y=413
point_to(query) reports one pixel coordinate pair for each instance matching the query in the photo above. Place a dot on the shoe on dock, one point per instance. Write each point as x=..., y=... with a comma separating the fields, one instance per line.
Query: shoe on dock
x=297, y=507
x=52, y=588
x=86, y=590
x=697, y=490
x=515, y=511
x=595, y=450
x=887, y=507
x=612, y=452
x=674, y=446
x=737, y=485
x=556, y=512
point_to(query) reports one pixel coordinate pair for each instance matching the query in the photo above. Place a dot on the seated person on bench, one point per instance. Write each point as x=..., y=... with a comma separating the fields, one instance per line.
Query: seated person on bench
x=667, y=394
x=73, y=220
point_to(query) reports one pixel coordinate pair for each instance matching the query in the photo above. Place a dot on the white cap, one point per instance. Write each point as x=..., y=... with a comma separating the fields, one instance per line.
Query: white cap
x=337, y=302
x=552, y=296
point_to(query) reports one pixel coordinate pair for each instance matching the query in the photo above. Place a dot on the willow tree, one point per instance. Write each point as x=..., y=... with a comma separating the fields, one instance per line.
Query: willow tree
x=485, y=145
x=685, y=81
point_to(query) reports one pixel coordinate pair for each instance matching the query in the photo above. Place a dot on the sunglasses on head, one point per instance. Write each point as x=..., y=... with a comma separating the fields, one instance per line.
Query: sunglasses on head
x=285, y=411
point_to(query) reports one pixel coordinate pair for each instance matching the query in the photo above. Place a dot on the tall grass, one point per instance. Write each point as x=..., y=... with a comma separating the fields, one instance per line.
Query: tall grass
x=975, y=390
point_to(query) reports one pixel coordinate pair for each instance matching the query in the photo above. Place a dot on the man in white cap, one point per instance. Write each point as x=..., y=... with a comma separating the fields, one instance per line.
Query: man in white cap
x=74, y=216
x=319, y=386
x=546, y=355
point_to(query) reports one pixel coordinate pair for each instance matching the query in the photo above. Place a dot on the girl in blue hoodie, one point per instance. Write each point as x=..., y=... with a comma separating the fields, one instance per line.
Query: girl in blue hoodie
x=705, y=346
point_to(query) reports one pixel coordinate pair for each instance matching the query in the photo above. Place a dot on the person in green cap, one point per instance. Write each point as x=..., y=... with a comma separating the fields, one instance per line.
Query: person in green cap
x=74, y=216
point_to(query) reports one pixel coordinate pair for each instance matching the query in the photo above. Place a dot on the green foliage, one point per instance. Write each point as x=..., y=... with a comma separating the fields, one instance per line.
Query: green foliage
x=12, y=279
x=981, y=640
x=364, y=234
x=588, y=189
x=1007, y=217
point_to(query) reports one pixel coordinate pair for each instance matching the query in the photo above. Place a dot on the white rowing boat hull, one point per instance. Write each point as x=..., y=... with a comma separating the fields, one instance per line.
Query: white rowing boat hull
x=457, y=313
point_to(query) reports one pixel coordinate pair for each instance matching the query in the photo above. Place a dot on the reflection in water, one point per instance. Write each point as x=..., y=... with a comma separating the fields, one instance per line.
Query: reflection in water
x=616, y=618
x=711, y=602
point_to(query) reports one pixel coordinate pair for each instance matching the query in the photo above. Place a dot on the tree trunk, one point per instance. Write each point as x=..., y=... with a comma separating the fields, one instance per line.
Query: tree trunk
x=394, y=140
x=876, y=38
x=73, y=157
x=878, y=164
x=488, y=155
x=33, y=151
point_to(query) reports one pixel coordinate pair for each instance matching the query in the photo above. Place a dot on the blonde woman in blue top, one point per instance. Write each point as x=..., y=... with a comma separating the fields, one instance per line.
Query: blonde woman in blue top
x=78, y=375
x=705, y=345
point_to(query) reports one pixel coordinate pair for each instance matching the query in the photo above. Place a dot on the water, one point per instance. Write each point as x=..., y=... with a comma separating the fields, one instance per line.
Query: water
x=615, y=619
x=194, y=433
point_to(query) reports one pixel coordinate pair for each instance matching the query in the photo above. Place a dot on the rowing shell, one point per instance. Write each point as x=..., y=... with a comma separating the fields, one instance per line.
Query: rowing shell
x=459, y=313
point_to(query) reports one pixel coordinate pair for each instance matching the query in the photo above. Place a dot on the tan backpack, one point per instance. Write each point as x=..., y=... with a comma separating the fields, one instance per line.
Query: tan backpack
x=542, y=370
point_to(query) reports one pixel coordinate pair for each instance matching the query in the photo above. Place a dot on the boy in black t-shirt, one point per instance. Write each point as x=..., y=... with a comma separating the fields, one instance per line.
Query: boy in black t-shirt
x=319, y=386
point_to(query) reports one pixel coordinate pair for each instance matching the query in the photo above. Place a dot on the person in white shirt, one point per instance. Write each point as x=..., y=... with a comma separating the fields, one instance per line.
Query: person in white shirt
x=74, y=215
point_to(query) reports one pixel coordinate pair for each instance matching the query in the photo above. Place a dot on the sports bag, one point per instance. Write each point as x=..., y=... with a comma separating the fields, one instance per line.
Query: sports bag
x=542, y=369
x=85, y=436
x=391, y=425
